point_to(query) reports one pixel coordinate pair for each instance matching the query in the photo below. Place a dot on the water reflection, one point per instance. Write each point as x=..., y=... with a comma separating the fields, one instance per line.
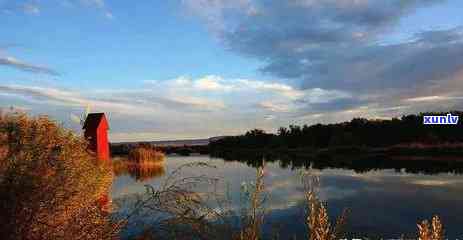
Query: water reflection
x=138, y=171
x=384, y=203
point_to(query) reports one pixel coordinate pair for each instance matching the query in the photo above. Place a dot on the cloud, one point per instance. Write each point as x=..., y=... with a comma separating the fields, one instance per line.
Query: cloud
x=216, y=12
x=266, y=95
x=64, y=98
x=31, y=9
x=195, y=107
x=345, y=46
x=96, y=3
x=433, y=98
x=214, y=83
x=99, y=4
x=122, y=102
x=34, y=7
x=27, y=67
x=275, y=107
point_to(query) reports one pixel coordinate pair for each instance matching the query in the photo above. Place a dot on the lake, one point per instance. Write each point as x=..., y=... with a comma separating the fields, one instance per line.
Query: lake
x=383, y=203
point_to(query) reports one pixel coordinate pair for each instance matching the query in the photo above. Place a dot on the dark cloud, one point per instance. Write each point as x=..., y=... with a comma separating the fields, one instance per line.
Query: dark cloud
x=346, y=45
x=378, y=67
x=336, y=44
x=27, y=67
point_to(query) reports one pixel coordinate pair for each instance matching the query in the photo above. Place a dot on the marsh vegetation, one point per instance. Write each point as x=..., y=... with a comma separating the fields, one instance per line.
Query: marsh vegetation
x=145, y=154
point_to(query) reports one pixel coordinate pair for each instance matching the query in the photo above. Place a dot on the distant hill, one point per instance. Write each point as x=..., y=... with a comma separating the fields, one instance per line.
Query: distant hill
x=175, y=143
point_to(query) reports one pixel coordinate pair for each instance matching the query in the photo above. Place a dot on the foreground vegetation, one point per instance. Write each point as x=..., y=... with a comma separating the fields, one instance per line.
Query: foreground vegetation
x=50, y=186
x=188, y=214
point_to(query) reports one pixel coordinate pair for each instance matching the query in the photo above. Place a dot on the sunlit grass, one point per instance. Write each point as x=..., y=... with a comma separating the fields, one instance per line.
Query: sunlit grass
x=50, y=185
x=145, y=155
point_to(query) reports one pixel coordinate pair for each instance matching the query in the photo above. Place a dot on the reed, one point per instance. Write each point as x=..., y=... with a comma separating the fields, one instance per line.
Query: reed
x=252, y=218
x=433, y=231
x=318, y=223
x=146, y=154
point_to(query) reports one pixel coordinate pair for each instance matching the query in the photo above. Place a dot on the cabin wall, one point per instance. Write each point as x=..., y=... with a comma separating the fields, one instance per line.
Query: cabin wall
x=103, y=143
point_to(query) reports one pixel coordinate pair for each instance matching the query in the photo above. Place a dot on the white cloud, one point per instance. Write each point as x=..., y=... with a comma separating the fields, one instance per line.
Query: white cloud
x=214, y=83
x=205, y=106
x=61, y=97
x=109, y=15
x=433, y=98
x=215, y=12
x=97, y=3
x=24, y=66
x=275, y=107
x=30, y=8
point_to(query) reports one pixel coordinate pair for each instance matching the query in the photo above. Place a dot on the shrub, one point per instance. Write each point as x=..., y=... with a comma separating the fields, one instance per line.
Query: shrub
x=49, y=184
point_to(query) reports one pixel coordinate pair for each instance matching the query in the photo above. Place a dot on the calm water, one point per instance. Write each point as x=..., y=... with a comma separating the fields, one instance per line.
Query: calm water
x=384, y=203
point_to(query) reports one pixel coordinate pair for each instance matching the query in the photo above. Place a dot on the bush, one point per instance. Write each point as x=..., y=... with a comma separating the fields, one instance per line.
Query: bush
x=49, y=184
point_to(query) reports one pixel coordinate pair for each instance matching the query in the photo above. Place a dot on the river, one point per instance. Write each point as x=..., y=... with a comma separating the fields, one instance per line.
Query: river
x=383, y=203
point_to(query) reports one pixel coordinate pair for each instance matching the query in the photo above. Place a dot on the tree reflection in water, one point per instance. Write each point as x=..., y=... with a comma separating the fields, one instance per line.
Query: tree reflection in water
x=141, y=171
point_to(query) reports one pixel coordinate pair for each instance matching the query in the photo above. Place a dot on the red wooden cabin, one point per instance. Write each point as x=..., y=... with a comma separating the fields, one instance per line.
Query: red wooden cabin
x=96, y=132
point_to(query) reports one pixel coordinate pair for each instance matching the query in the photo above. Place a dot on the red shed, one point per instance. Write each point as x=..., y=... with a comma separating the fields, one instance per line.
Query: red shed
x=96, y=131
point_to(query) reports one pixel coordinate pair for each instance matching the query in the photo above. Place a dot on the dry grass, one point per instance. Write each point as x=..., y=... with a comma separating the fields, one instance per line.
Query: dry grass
x=146, y=154
x=317, y=220
x=252, y=218
x=435, y=231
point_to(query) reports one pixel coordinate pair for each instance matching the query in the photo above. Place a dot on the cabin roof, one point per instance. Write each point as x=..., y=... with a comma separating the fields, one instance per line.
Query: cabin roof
x=93, y=120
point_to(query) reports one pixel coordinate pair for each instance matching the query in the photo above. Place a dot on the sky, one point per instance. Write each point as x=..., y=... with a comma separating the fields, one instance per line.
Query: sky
x=183, y=69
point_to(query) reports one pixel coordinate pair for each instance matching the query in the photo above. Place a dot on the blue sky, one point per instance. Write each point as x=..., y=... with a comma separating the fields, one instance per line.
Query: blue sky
x=201, y=68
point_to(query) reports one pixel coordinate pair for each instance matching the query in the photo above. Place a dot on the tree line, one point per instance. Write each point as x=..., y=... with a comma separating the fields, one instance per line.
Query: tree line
x=358, y=132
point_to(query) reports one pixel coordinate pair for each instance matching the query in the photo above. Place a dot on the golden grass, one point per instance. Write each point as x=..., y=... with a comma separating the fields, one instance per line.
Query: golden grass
x=253, y=218
x=433, y=231
x=146, y=154
x=317, y=220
